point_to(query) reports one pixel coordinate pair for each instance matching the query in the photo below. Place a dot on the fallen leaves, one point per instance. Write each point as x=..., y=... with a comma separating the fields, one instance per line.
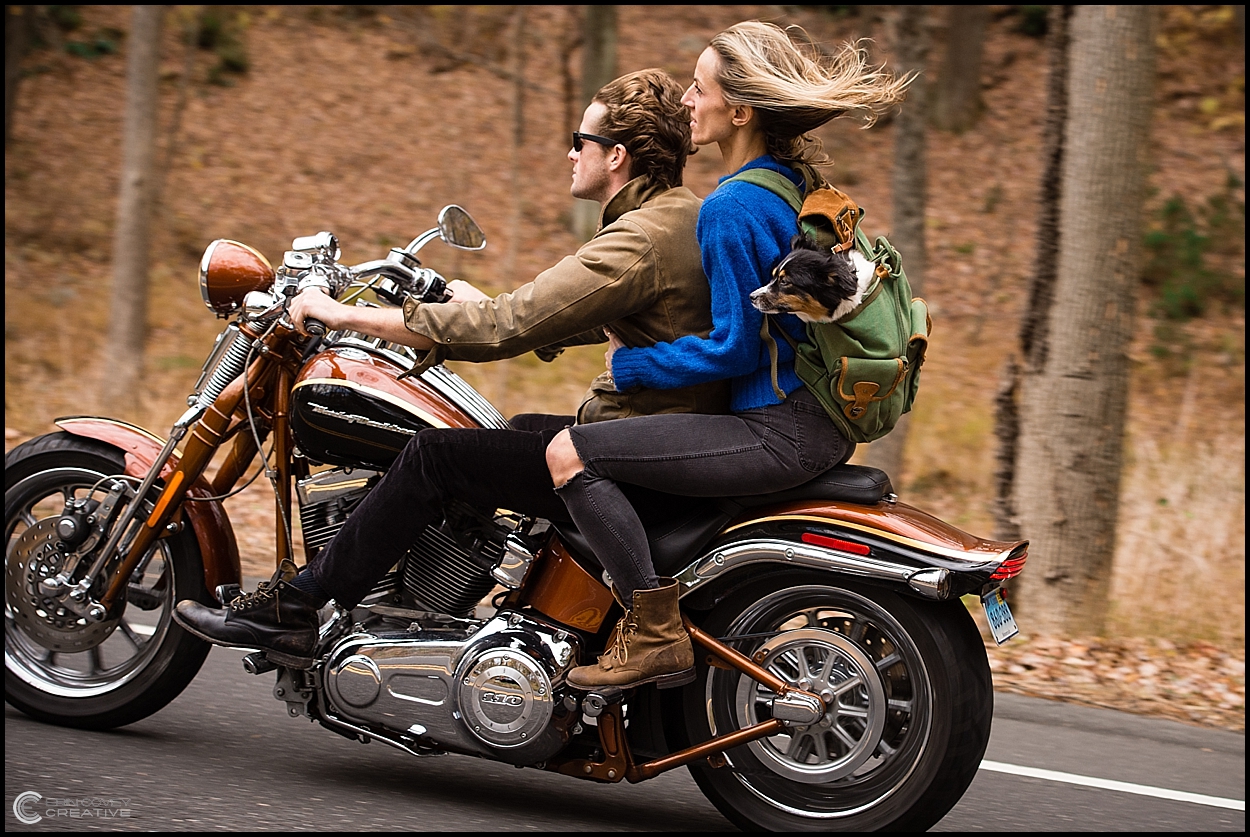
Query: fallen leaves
x=1195, y=683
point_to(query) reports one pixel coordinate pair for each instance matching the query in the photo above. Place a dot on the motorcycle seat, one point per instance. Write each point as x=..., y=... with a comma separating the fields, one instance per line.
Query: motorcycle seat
x=678, y=527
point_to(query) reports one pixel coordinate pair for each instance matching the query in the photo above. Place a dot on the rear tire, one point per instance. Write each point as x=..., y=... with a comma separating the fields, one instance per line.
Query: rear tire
x=909, y=719
x=68, y=671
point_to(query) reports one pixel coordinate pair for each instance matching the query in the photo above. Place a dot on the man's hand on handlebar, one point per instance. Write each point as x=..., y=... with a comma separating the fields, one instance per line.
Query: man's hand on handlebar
x=462, y=291
x=314, y=304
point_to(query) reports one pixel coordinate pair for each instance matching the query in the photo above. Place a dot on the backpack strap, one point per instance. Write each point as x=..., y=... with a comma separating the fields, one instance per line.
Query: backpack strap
x=767, y=336
x=775, y=182
x=784, y=188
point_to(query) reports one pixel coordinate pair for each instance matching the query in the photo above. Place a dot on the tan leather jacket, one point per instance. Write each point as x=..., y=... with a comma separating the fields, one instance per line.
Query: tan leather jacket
x=640, y=276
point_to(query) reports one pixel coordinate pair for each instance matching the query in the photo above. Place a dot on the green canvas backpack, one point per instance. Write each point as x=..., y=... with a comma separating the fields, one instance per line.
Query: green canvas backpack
x=864, y=368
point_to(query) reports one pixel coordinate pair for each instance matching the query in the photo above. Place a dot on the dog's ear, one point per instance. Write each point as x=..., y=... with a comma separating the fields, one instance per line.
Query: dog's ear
x=803, y=242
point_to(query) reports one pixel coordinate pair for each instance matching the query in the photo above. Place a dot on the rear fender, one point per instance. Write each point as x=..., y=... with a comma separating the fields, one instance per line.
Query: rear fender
x=218, y=547
x=887, y=543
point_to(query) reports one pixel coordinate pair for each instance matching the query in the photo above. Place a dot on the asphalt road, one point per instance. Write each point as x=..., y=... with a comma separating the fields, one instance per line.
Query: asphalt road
x=225, y=757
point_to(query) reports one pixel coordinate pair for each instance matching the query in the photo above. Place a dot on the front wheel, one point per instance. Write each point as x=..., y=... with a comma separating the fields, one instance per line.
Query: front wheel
x=908, y=687
x=64, y=669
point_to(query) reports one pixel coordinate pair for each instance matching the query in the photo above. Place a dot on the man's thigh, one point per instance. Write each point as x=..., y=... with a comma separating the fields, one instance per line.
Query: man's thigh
x=503, y=469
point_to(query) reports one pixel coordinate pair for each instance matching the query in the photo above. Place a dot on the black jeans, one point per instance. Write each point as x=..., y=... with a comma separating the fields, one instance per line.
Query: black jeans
x=484, y=468
x=752, y=452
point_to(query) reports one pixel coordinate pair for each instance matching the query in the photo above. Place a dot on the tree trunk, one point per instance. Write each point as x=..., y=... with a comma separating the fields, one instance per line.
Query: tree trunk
x=957, y=103
x=132, y=237
x=911, y=51
x=598, y=68
x=1033, y=337
x=1074, y=405
x=18, y=27
x=501, y=372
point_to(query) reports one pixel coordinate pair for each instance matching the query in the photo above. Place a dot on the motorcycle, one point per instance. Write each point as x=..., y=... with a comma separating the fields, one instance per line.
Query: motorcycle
x=842, y=683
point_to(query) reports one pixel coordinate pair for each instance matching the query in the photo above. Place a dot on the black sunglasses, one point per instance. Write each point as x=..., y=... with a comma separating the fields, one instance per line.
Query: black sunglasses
x=579, y=139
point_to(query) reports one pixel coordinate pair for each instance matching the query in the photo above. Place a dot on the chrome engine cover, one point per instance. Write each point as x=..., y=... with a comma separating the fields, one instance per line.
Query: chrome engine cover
x=487, y=691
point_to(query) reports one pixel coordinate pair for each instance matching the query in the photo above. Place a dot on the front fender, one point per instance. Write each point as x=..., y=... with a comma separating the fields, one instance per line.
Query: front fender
x=218, y=547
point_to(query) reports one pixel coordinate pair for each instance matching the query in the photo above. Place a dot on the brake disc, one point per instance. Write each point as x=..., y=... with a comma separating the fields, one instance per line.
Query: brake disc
x=38, y=554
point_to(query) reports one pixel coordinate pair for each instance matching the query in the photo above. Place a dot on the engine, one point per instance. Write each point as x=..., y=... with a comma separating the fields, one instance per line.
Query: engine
x=488, y=690
x=447, y=570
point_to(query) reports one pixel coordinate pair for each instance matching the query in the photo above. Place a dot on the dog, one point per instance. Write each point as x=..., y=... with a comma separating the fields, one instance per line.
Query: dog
x=814, y=283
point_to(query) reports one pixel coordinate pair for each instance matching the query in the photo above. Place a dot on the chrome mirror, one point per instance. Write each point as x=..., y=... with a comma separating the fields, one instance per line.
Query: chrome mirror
x=457, y=228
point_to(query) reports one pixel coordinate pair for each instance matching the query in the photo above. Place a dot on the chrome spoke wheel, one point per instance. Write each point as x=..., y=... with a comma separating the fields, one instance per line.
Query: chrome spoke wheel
x=60, y=665
x=49, y=646
x=907, y=696
x=830, y=665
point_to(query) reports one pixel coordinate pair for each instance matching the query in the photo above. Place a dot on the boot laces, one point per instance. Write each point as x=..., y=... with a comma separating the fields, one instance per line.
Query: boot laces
x=260, y=596
x=625, y=631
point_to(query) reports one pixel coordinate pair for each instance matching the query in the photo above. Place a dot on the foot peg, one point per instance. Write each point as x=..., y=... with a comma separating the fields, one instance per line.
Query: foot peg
x=599, y=700
x=227, y=593
x=257, y=663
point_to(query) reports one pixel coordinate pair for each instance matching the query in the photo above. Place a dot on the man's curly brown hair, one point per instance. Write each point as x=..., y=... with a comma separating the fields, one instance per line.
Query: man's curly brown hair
x=645, y=113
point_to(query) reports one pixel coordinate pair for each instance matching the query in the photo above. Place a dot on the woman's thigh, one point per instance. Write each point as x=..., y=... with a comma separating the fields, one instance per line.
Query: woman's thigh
x=753, y=452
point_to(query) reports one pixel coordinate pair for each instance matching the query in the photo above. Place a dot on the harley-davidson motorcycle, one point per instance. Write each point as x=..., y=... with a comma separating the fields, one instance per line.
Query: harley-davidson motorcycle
x=842, y=682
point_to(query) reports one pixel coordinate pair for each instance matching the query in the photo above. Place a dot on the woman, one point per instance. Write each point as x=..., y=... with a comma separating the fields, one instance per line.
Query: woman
x=756, y=94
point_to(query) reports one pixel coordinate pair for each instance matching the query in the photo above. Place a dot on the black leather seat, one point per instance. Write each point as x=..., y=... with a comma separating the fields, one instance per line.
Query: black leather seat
x=678, y=527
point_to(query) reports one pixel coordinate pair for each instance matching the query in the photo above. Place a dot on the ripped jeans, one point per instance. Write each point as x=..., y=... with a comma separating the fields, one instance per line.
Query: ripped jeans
x=755, y=451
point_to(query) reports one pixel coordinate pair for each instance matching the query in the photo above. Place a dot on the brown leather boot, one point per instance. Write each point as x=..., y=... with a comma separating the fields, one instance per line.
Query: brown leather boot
x=648, y=645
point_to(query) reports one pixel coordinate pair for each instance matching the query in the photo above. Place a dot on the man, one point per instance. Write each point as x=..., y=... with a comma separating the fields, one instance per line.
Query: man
x=640, y=278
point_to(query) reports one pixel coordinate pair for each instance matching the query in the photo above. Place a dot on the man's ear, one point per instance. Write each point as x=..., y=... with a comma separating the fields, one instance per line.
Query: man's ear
x=618, y=158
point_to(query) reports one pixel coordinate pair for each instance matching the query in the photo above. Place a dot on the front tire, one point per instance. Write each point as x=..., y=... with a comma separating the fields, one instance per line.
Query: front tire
x=70, y=671
x=910, y=702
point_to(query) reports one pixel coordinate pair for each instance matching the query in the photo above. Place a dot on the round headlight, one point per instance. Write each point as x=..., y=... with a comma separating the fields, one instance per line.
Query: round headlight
x=229, y=271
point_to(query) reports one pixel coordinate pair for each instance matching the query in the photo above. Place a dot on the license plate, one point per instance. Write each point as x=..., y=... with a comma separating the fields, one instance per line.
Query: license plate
x=1002, y=623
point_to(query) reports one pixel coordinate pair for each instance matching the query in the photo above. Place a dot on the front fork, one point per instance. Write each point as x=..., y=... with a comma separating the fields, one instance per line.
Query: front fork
x=205, y=431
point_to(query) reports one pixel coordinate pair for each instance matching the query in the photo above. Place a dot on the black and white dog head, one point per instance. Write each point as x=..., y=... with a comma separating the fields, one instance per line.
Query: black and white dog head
x=815, y=283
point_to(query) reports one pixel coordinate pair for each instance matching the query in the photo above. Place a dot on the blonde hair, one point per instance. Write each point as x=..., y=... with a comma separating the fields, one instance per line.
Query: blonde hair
x=795, y=87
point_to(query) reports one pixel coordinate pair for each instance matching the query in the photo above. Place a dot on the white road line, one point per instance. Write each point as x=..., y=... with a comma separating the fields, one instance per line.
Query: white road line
x=1108, y=784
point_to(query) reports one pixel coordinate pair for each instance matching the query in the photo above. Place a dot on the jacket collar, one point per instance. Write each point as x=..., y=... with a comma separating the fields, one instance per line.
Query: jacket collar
x=632, y=196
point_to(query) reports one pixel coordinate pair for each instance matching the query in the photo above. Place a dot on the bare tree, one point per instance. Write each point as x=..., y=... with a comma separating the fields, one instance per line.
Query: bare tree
x=18, y=31
x=911, y=42
x=599, y=30
x=1045, y=267
x=132, y=236
x=1073, y=406
x=957, y=99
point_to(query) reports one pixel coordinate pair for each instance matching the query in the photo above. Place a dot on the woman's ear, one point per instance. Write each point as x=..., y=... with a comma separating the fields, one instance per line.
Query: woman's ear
x=742, y=114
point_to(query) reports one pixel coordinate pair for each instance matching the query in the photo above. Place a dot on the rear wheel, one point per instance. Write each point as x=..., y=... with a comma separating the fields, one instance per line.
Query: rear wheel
x=65, y=669
x=910, y=702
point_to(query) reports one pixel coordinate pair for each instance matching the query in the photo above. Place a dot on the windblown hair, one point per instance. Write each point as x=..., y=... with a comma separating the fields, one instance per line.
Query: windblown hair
x=795, y=86
x=645, y=112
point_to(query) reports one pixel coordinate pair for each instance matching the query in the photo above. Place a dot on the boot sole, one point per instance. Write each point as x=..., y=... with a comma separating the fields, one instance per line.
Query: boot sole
x=276, y=657
x=660, y=681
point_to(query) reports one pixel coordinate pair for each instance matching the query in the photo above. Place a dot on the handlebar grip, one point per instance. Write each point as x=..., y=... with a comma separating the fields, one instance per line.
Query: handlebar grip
x=314, y=327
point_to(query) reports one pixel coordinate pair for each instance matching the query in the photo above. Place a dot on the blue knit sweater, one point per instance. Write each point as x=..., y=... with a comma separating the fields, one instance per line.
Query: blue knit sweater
x=743, y=231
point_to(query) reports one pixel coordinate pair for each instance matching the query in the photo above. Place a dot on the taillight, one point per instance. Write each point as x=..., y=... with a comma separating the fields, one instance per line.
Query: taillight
x=1010, y=567
x=834, y=543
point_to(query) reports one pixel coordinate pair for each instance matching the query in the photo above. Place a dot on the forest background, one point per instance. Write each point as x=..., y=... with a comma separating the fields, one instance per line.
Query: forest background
x=280, y=121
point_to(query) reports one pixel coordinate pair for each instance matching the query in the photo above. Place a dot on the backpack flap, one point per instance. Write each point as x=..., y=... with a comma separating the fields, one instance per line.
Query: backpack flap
x=830, y=218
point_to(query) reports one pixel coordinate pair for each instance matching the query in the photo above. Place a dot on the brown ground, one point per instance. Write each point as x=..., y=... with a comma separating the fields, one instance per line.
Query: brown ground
x=348, y=121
